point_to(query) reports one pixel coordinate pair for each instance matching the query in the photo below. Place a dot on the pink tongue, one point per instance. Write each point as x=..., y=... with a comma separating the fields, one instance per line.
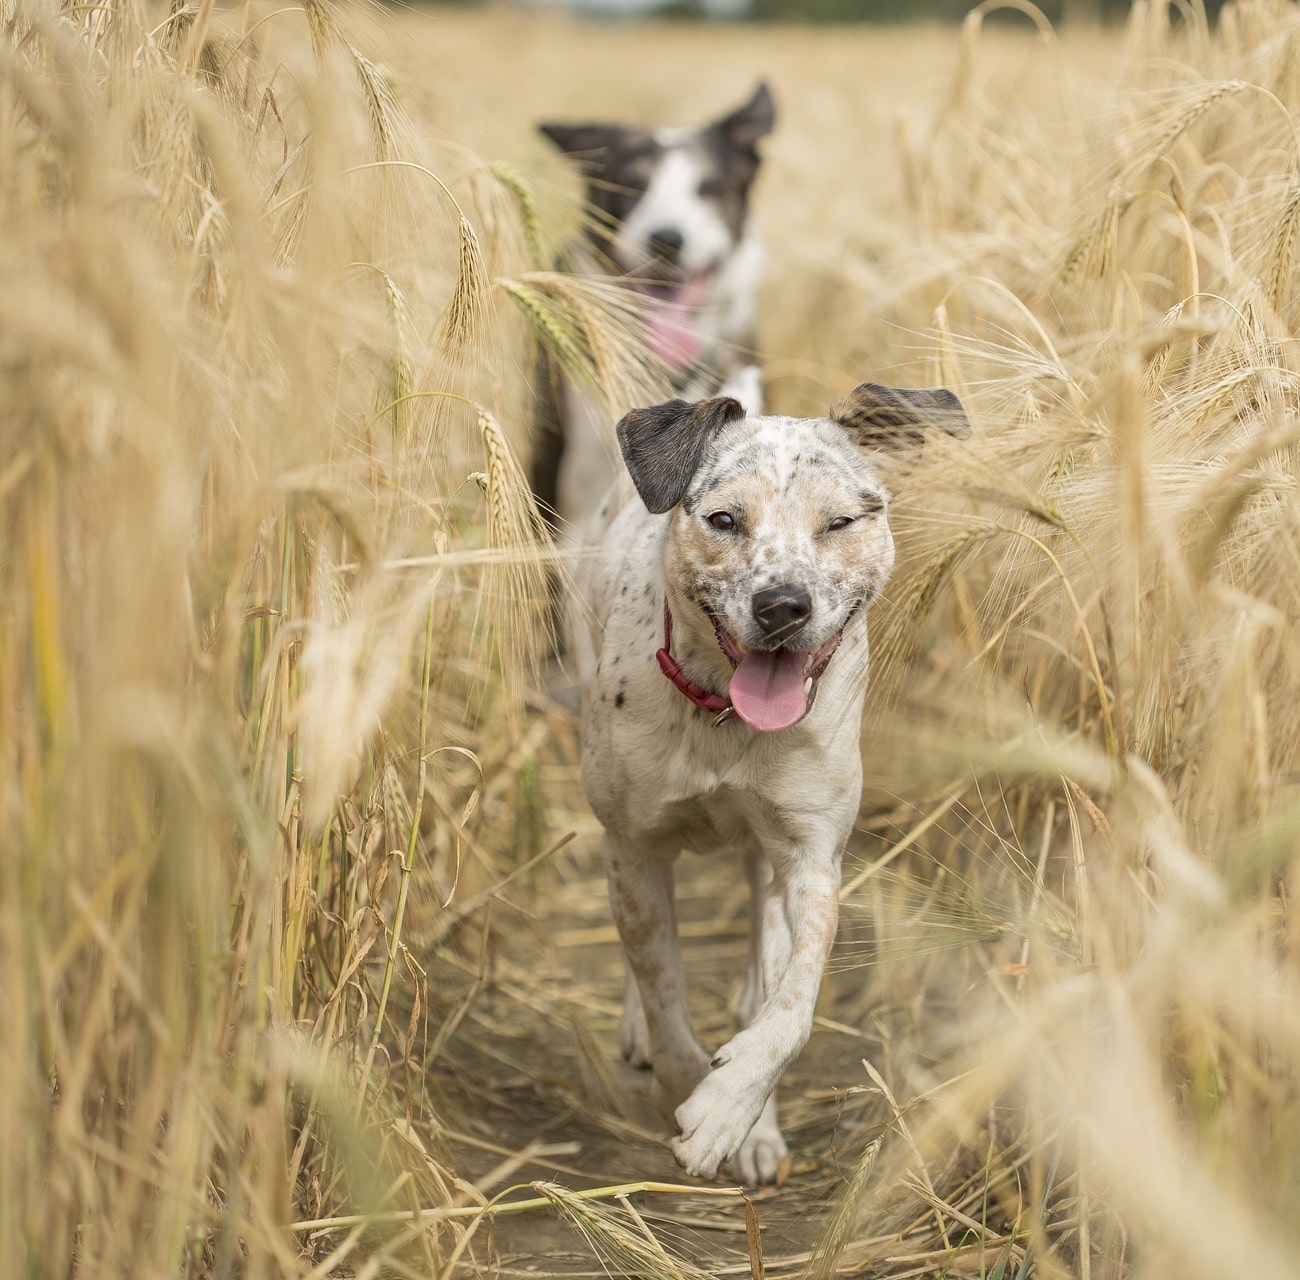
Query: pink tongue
x=767, y=689
x=670, y=325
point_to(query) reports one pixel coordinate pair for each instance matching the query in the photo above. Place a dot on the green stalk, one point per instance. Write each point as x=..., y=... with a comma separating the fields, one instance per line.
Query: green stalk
x=408, y=861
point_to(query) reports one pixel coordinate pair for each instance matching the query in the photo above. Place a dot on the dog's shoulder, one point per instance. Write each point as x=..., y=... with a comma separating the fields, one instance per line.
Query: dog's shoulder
x=620, y=550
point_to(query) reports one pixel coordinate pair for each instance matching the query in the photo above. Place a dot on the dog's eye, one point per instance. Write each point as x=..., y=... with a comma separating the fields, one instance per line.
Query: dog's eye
x=711, y=188
x=723, y=521
x=840, y=522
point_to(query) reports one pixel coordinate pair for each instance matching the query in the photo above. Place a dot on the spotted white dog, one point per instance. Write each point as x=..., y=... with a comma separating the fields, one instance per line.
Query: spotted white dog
x=724, y=712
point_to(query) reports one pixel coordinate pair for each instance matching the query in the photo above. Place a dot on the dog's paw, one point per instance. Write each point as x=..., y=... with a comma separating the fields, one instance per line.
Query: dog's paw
x=717, y=1118
x=758, y=1160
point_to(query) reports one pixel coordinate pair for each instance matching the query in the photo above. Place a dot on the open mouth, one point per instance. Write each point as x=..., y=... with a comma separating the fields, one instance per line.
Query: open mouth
x=672, y=308
x=773, y=688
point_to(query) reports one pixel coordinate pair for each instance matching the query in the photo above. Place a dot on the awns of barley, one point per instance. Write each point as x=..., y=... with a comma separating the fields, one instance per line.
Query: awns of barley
x=469, y=295
x=385, y=118
x=516, y=580
x=526, y=203
x=400, y=362
x=1093, y=255
x=843, y=1218
x=594, y=329
x=1181, y=113
x=1280, y=271
x=388, y=126
x=621, y=1240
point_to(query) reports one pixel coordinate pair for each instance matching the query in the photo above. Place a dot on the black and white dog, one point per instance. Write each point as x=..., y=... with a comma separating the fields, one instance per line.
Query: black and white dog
x=669, y=213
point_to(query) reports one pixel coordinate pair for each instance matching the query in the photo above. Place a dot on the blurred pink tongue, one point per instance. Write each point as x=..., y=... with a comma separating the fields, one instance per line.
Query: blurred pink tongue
x=670, y=325
x=767, y=689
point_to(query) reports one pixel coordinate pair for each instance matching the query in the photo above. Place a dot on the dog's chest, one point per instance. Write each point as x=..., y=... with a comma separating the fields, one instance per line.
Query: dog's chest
x=722, y=816
x=669, y=780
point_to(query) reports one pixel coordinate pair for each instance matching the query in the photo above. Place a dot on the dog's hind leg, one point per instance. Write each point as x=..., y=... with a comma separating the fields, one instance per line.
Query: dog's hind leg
x=758, y=871
x=633, y=1034
x=759, y=1157
x=641, y=897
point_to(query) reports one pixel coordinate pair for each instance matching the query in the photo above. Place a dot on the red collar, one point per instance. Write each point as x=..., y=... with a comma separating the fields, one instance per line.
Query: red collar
x=673, y=670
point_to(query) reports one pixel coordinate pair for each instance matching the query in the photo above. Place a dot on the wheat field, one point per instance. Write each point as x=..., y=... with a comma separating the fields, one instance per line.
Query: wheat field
x=306, y=966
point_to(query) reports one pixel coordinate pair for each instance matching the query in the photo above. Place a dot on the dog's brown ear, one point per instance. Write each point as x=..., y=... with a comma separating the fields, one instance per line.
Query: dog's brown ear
x=588, y=144
x=664, y=445
x=744, y=126
x=896, y=419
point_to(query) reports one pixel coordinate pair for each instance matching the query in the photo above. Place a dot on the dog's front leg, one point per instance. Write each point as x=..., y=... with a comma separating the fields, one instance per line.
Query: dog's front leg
x=718, y=1116
x=758, y=1158
x=641, y=897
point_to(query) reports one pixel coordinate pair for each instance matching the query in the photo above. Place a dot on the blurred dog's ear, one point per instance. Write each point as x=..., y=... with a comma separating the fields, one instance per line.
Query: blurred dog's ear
x=664, y=445
x=896, y=419
x=744, y=126
x=588, y=144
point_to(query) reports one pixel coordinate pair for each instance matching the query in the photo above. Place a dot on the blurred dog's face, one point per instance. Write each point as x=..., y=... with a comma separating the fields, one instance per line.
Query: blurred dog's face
x=669, y=205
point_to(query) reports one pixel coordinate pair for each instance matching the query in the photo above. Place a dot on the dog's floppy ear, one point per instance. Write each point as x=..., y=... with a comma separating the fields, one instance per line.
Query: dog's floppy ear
x=744, y=126
x=588, y=144
x=896, y=419
x=663, y=445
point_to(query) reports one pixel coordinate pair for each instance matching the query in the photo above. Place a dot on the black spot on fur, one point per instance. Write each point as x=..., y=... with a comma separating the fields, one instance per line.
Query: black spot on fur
x=617, y=162
x=871, y=502
x=731, y=148
x=619, y=701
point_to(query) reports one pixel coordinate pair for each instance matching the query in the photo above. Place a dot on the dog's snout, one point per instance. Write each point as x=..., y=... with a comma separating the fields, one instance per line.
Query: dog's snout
x=781, y=611
x=666, y=243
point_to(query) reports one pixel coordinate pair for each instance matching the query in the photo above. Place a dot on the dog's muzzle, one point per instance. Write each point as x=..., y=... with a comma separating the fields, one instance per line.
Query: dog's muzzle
x=781, y=612
x=770, y=688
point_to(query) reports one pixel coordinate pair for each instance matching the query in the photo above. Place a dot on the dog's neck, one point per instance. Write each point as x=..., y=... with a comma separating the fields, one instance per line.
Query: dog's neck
x=691, y=658
x=703, y=698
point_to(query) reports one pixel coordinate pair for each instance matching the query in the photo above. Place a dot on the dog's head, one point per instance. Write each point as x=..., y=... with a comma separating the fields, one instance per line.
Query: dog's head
x=669, y=205
x=778, y=527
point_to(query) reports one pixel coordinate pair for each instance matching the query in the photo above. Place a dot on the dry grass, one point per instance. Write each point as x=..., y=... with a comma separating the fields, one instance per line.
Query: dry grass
x=297, y=982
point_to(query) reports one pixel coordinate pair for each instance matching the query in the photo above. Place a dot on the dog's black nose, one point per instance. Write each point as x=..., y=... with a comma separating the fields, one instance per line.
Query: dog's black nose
x=666, y=243
x=781, y=611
